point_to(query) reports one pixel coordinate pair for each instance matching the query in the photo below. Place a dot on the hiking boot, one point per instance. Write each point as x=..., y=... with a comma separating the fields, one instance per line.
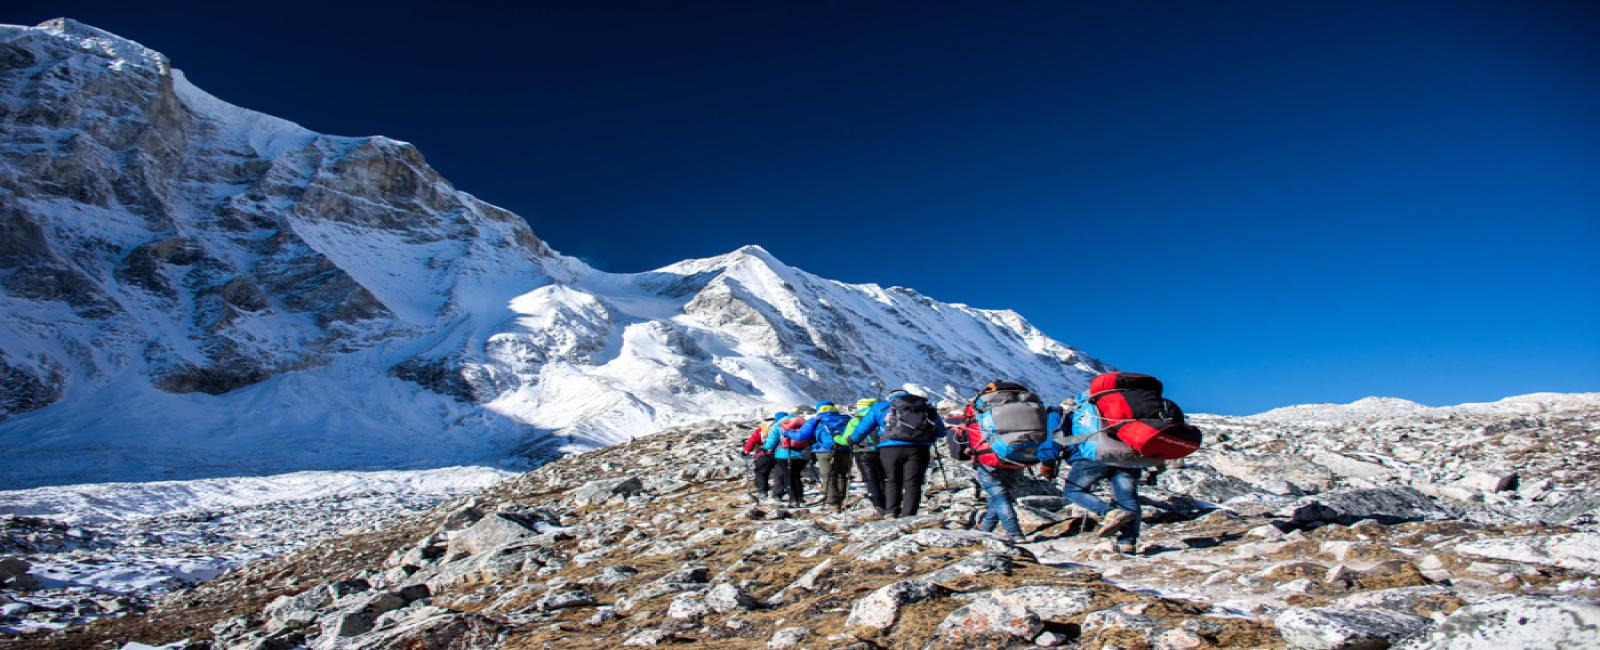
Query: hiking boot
x=1127, y=548
x=1113, y=522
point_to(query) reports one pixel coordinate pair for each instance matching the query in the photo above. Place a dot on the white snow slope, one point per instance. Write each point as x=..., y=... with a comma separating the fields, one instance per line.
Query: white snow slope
x=190, y=289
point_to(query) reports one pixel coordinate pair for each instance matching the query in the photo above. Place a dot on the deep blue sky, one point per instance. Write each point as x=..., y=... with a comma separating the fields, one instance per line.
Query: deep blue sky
x=1263, y=203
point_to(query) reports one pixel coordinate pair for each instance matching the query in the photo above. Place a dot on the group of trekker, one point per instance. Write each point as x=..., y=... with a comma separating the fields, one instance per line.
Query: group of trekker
x=1114, y=430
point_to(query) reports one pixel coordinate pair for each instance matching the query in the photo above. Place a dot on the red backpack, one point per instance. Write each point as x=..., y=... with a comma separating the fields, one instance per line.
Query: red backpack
x=1131, y=408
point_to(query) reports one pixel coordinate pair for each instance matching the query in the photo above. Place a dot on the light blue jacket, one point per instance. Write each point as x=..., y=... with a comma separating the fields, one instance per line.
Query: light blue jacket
x=774, y=441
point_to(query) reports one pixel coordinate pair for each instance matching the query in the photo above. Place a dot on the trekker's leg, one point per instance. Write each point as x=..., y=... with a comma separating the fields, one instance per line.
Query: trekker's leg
x=916, y=470
x=1084, y=474
x=990, y=487
x=763, y=471
x=894, y=468
x=797, y=489
x=780, y=478
x=871, y=476
x=1125, y=491
x=1005, y=507
x=841, y=477
x=825, y=469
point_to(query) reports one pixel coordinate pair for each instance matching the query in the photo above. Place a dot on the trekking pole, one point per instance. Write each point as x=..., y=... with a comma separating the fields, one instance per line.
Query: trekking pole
x=938, y=459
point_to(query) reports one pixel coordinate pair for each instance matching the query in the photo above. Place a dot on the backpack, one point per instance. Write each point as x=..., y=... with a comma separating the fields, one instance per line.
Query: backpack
x=910, y=418
x=789, y=438
x=1013, y=423
x=1123, y=421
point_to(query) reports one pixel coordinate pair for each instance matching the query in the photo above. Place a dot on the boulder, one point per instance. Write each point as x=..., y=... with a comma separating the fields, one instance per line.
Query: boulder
x=492, y=531
x=1576, y=551
x=1281, y=474
x=12, y=567
x=806, y=582
x=789, y=637
x=976, y=564
x=1348, y=467
x=597, y=492
x=989, y=618
x=428, y=628
x=1489, y=481
x=359, y=614
x=688, y=607
x=296, y=611
x=1203, y=483
x=726, y=599
x=1578, y=505
x=1423, y=600
x=1518, y=622
x=563, y=599
x=1388, y=505
x=650, y=637
x=1050, y=604
x=1328, y=628
x=790, y=535
x=879, y=609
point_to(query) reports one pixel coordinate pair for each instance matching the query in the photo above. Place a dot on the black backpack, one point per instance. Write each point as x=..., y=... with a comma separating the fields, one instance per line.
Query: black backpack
x=910, y=418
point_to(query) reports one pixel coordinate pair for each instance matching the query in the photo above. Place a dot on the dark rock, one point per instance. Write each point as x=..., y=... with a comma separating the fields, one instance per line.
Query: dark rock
x=1388, y=505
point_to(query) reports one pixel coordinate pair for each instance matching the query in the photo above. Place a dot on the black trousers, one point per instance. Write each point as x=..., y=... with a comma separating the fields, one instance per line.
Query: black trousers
x=791, y=472
x=871, y=470
x=763, y=471
x=904, y=467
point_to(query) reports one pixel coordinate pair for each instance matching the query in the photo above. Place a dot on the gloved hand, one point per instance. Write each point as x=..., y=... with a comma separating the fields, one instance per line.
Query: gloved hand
x=1047, y=471
x=841, y=440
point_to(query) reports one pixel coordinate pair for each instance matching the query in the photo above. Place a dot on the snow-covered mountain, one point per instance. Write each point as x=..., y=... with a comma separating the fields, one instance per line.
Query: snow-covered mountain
x=191, y=289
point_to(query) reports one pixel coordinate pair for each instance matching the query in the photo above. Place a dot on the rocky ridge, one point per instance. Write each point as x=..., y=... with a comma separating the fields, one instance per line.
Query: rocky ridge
x=655, y=542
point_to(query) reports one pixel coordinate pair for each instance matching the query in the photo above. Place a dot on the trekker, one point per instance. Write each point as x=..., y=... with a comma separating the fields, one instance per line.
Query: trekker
x=754, y=446
x=906, y=426
x=866, y=455
x=1001, y=432
x=1121, y=424
x=1119, y=518
x=833, y=459
x=789, y=455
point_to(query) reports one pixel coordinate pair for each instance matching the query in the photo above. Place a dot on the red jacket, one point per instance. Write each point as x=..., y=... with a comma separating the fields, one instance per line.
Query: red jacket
x=973, y=437
x=752, y=445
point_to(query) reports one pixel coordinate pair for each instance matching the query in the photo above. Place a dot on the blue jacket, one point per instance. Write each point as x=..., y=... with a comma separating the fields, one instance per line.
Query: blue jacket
x=872, y=421
x=823, y=427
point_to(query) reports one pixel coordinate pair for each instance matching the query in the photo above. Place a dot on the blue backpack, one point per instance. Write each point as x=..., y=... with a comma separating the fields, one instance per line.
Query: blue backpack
x=1014, y=424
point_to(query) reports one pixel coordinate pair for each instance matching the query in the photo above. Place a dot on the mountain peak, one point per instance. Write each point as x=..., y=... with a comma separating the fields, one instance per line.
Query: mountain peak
x=121, y=51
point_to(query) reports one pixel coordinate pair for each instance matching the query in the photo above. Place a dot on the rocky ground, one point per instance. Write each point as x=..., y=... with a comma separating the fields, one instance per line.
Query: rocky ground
x=1310, y=536
x=70, y=568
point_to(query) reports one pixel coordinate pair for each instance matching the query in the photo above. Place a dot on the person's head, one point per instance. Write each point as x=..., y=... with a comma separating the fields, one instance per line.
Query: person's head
x=898, y=392
x=825, y=406
x=780, y=416
x=865, y=403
